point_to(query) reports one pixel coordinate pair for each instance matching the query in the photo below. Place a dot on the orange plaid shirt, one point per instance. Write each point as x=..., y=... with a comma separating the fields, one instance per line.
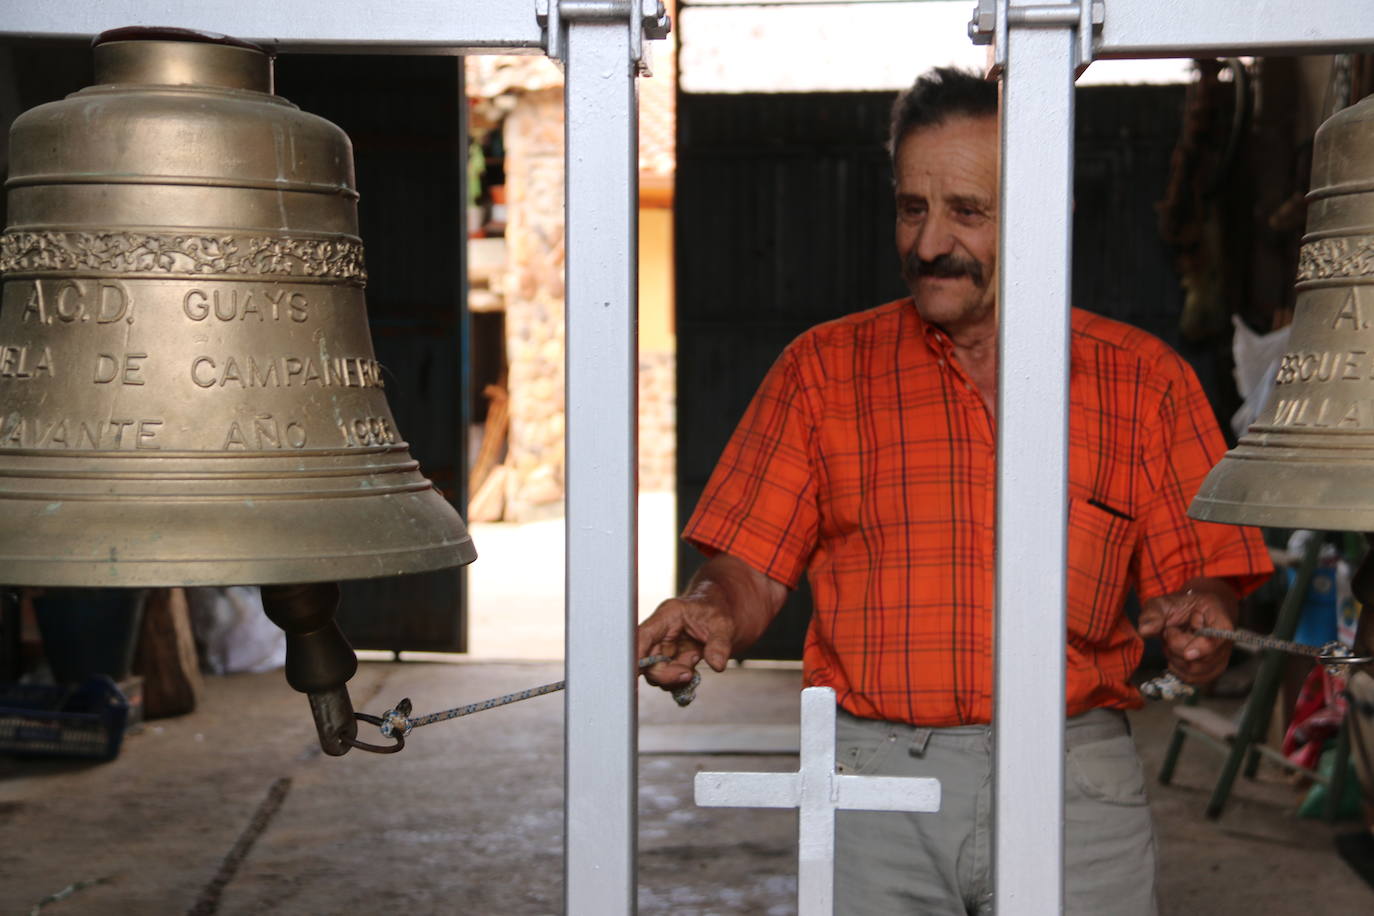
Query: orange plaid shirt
x=867, y=460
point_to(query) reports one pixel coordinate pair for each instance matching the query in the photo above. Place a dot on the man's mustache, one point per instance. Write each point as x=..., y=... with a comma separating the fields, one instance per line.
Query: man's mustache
x=946, y=266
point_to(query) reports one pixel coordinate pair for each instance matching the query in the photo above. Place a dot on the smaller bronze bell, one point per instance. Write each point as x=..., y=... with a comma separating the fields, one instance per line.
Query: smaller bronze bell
x=1308, y=461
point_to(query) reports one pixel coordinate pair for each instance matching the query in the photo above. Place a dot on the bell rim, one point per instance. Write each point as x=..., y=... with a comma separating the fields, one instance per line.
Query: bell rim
x=53, y=572
x=1288, y=485
x=1278, y=515
x=167, y=542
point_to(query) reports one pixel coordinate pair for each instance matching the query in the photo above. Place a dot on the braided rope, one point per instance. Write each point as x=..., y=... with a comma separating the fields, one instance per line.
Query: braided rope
x=1336, y=657
x=1260, y=641
x=398, y=718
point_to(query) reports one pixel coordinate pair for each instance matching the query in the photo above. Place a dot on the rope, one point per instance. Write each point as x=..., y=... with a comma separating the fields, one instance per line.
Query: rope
x=1336, y=657
x=398, y=719
x=1259, y=641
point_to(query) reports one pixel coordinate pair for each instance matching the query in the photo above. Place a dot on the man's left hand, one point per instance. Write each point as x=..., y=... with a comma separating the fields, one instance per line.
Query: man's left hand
x=1203, y=602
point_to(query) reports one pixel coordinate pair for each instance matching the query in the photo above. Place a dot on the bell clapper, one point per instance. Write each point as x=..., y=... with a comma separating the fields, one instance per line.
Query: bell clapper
x=319, y=660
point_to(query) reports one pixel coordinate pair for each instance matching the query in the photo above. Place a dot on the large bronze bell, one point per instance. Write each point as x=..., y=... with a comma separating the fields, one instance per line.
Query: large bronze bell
x=1308, y=461
x=188, y=392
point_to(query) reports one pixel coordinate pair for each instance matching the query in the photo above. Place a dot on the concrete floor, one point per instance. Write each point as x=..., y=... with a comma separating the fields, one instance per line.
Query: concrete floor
x=468, y=819
x=233, y=809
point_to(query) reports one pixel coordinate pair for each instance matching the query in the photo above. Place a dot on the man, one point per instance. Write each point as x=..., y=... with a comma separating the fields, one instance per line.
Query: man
x=866, y=460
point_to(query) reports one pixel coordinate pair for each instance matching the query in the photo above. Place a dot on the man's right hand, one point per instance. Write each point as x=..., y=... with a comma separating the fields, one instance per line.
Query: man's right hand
x=726, y=607
x=686, y=630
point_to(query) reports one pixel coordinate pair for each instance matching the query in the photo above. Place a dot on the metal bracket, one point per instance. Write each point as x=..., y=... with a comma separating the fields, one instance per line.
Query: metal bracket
x=645, y=18
x=992, y=18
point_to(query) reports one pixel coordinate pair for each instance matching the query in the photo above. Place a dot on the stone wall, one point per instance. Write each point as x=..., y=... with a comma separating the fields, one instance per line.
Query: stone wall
x=533, y=134
x=657, y=421
x=533, y=294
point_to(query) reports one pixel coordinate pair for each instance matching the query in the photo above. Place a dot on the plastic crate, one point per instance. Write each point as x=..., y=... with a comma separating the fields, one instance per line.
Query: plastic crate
x=86, y=720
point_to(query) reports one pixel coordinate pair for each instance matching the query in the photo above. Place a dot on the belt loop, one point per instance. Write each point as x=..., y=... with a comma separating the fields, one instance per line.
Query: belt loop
x=920, y=737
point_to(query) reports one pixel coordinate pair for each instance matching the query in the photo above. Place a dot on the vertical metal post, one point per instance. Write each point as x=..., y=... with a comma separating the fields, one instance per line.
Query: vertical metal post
x=463, y=315
x=1032, y=467
x=602, y=266
x=816, y=798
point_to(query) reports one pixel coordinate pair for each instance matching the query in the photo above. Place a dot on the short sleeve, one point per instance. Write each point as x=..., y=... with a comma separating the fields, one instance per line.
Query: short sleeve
x=759, y=504
x=1181, y=447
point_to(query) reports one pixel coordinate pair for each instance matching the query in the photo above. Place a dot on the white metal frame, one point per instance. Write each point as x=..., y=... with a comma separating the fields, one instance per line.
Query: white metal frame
x=1040, y=49
x=1032, y=468
x=1039, y=46
x=600, y=719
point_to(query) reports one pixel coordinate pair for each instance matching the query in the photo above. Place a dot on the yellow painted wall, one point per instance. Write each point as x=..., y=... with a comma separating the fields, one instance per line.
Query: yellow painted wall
x=656, y=280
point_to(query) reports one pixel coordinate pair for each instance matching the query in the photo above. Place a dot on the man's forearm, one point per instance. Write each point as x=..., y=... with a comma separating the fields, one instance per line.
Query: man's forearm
x=752, y=598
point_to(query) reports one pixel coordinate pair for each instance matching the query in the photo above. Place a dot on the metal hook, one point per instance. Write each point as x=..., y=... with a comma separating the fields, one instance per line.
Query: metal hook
x=374, y=748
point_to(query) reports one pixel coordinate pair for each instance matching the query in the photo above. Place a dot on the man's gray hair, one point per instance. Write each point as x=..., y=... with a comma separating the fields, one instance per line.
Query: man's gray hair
x=936, y=96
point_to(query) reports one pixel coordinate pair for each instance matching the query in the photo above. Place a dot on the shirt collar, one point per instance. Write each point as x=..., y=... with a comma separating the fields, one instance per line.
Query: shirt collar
x=936, y=340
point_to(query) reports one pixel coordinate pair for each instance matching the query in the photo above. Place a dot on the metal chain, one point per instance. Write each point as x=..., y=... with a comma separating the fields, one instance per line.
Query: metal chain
x=397, y=722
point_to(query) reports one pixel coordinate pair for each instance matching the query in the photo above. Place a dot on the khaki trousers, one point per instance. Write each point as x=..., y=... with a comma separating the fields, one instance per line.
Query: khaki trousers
x=900, y=864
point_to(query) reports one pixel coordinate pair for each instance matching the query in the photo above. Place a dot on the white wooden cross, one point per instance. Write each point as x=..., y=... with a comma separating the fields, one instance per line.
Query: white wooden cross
x=817, y=791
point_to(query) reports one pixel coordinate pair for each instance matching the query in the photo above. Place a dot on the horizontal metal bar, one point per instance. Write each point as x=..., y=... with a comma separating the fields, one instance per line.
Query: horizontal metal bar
x=748, y=790
x=398, y=26
x=1058, y=14
x=887, y=793
x=1188, y=28
x=594, y=9
x=684, y=4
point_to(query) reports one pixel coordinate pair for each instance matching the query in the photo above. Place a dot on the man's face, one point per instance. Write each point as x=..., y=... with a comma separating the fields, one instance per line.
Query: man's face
x=946, y=178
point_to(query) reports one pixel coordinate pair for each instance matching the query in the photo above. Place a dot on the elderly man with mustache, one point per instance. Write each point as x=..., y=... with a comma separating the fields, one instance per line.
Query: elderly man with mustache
x=867, y=461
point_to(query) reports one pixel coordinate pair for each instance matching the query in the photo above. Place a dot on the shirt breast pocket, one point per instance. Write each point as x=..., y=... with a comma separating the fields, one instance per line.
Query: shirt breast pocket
x=1102, y=540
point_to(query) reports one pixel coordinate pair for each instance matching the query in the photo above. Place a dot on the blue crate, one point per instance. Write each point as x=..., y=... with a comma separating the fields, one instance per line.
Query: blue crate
x=1317, y=625
x=63, y=721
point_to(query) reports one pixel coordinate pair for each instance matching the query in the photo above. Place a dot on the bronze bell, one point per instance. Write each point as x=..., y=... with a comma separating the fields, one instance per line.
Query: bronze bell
x=1308, y=461
x=188, y=391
